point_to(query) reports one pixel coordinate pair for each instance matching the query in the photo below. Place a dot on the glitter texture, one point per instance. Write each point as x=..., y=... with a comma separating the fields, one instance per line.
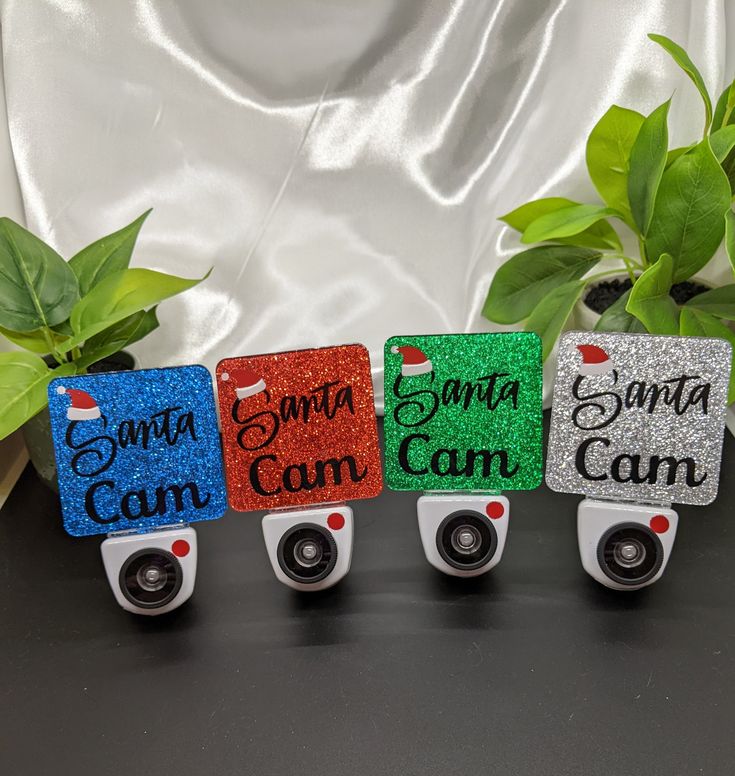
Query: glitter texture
x=136, y=450
x=452, y=374
x=639, y=421
x=299, y=428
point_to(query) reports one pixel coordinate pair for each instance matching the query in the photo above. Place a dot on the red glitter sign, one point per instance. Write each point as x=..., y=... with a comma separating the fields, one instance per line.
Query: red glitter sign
x=299, y=428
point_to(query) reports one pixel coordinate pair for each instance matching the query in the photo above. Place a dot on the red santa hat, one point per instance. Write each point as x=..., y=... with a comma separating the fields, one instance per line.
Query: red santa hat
x=415, y=361
x=594, y=360
x=82, y=407
x=247, y=382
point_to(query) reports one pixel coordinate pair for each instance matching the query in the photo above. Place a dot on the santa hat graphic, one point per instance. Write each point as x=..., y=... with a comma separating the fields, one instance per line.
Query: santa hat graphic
x=247, y=382
x=82, y=407
x=415, y=361
x=594, y=360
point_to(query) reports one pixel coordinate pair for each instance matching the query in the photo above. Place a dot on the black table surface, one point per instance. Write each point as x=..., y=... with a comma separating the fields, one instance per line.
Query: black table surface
x=531, y=669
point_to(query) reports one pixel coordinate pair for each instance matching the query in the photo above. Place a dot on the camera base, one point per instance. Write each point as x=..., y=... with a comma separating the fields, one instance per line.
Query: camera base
x=310, y=549
x=151, y=573
x=463, y=534
x=625, y=546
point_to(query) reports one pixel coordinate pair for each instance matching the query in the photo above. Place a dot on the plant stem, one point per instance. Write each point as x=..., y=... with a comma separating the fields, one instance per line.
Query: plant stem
x=51, y=347
x=726, y=117
x=629, y=267
x=642, y=251
x=627, y=260
x=599, y=275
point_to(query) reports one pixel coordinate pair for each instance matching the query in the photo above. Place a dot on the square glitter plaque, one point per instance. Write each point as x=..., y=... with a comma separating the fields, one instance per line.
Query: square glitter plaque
x=299, y=428
x=463, y=412
x=136, y=450
x=638, y=417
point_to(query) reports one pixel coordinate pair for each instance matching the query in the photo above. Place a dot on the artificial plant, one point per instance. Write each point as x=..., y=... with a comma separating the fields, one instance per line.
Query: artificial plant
x=69, y=315
x=678, y=205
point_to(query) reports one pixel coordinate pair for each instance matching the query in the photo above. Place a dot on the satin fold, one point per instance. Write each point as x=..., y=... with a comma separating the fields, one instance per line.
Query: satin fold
x=341, y=165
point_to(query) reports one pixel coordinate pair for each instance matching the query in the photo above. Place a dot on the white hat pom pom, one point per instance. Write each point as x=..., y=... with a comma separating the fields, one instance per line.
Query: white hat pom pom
x=61, y=389
x=225, y=376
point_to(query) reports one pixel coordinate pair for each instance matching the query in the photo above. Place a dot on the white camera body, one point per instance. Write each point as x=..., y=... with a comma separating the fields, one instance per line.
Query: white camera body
x=151, y=573
x=310, y=549
x=463, y=535
x=625, y=546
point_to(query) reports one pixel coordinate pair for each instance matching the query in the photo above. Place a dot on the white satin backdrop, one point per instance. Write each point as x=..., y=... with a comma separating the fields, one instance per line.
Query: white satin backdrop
x=341, y=165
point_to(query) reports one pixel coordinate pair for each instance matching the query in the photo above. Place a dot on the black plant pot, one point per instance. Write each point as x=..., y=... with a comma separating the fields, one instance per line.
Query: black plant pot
x=37, y=430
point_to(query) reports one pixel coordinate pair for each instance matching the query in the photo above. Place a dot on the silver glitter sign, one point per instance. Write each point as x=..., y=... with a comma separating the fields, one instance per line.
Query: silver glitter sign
x=639, y=418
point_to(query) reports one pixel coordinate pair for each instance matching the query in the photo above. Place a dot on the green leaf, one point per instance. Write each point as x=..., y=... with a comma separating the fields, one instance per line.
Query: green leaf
x=525, y=279
x=600, y=235
x=719, y=302
x=617, y=318
x=608, y=152
x=728, y=167
x=685, y=63
x=565, y=222
x=724, y=118
x=647, y=162
x=23, y=381
x=722, y=142
x=696, y=323
x=32, y=340
x=688, y=216
x=649, y=298
x=107, y=255
x=675, y=153
x=118, y=336
x=550, y=315
x=730, y=237
x=120, y=295
x=37, y=288
x=724, y=109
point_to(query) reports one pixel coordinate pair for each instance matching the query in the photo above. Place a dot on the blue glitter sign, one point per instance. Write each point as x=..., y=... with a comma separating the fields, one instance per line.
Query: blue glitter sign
x=136, y=450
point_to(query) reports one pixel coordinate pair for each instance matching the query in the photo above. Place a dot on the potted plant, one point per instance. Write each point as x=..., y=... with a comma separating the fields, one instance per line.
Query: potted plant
x=68, y=318
x=677, y=205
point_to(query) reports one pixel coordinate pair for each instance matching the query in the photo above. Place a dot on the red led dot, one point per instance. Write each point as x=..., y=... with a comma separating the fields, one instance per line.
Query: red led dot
x=659, y=523
x=495, y=510
x=180, y=548
x=336, y=521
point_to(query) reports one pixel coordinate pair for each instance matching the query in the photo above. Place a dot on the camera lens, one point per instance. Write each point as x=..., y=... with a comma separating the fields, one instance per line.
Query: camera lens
x=630, y=553
x=151, y=578
x=466, y=540
x=307, y=553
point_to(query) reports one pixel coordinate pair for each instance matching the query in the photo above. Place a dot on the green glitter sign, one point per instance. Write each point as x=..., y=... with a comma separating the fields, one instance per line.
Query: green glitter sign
x=463, y=412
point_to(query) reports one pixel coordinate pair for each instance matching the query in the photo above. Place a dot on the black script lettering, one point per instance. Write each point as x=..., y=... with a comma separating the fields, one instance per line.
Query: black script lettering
x=90, y=461
x=639, y=394
x=295, y=408
x=673, y=465
x=580, y=460
x=403, y=454
x=258, y=430
x=447, y=462
x=296, y=477
x=606, y=415
x=255, y=476
x=462, y=393
x=91, y=507
x=135, y=504
x=628, y=467
x=158, y=426
x=418, y=407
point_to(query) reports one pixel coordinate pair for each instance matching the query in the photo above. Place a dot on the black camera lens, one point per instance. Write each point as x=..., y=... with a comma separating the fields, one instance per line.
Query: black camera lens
x=630, y=553
x=466, y=540
x=307, y=553
x=151, y=578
